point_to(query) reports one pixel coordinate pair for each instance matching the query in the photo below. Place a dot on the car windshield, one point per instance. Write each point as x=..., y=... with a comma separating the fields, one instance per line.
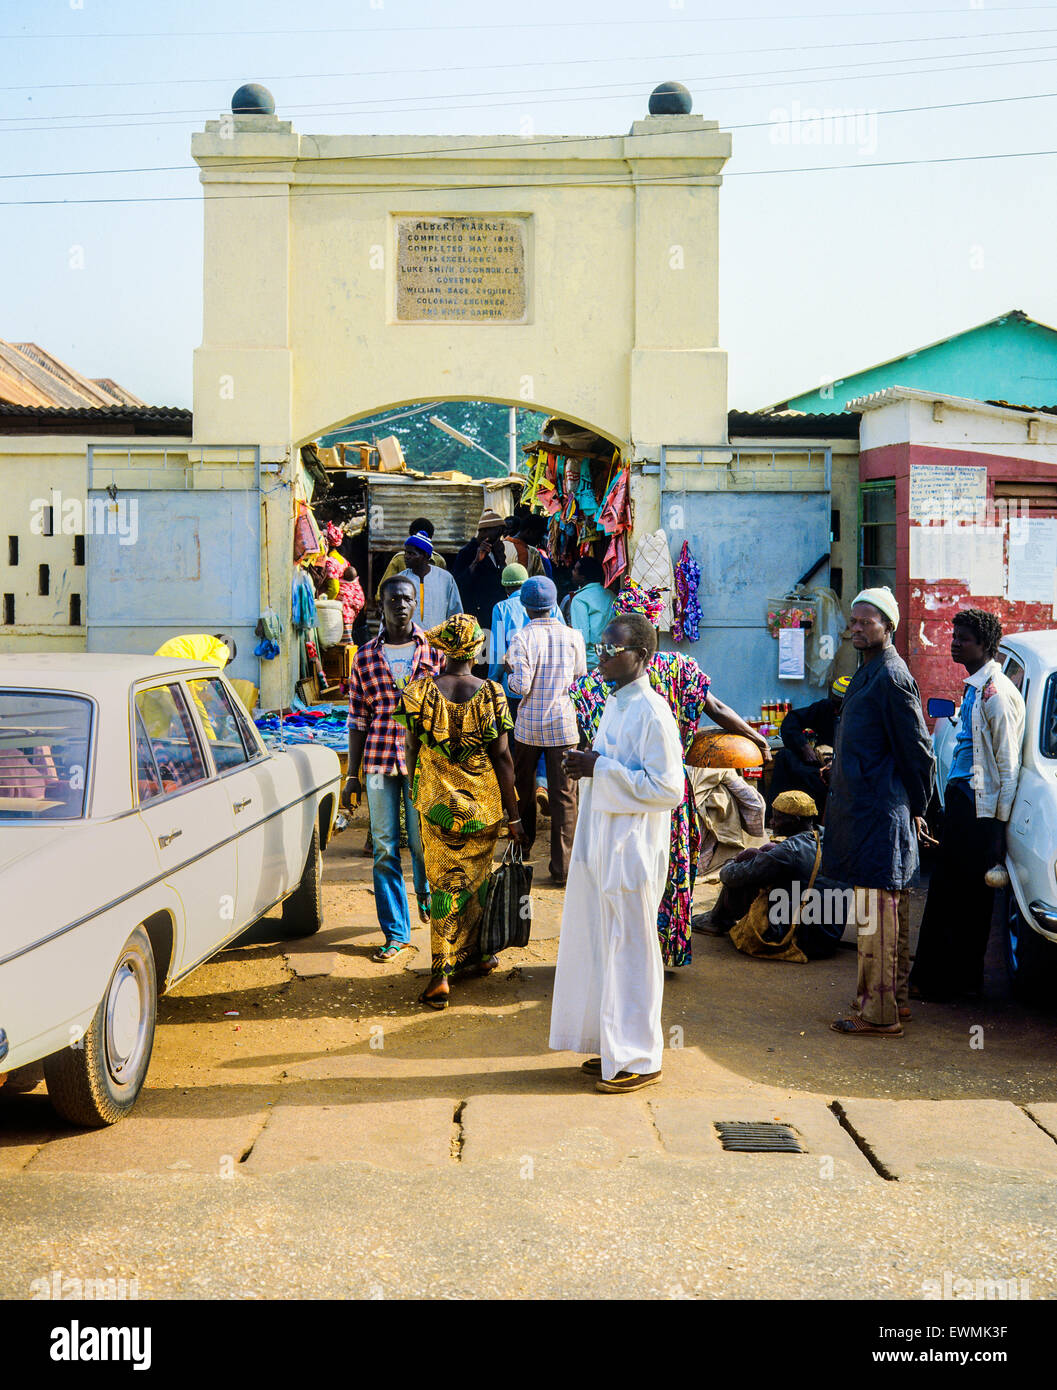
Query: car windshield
x=44, y=743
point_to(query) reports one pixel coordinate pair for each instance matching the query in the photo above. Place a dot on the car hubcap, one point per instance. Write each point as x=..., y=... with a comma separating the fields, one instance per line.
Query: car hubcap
x=126, y=1018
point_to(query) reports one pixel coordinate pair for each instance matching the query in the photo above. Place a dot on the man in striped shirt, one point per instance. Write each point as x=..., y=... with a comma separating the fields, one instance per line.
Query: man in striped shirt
x=543, y=658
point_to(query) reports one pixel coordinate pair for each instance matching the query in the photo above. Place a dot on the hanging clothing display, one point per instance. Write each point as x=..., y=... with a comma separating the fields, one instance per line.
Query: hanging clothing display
x=651, y=566
x=687, y=624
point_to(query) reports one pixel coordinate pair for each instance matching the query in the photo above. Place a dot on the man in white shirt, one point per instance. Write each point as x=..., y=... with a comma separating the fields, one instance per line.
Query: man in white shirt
x=438, y=596
x=609, y=981
x=544, y=658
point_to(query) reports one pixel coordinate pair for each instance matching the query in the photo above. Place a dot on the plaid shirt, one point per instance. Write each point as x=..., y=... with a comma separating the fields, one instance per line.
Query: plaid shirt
x=544, y=658
x=373, y=697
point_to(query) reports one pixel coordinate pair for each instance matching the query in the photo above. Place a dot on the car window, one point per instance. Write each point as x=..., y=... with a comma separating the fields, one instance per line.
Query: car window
x=1048, y=722
x=148, y=778
x=1014, y=670
x=171, y=737
x=44, y=747
x=221, y=724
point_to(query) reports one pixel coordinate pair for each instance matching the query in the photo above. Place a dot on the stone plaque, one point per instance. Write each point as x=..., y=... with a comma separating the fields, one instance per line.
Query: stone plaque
x=461, y=270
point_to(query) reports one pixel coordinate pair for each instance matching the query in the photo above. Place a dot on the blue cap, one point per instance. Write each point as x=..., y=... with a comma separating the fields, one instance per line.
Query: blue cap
x=539, y=592
x=420, y=542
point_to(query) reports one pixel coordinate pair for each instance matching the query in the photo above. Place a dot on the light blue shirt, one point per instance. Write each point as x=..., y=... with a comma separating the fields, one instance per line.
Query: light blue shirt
x=436, y=597
x=590, y=612
x=508, y=616
x=962, y=762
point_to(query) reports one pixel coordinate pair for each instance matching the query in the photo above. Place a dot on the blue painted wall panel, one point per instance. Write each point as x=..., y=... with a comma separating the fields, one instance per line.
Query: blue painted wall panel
x=751, y=547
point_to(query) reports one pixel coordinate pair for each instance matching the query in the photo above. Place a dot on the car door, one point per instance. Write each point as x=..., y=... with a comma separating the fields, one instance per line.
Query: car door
x=237, y=755
x=187, y=811
x=1020, y=817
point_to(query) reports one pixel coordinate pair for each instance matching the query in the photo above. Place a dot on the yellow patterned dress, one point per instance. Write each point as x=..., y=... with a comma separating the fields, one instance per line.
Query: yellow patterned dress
x=460, y=809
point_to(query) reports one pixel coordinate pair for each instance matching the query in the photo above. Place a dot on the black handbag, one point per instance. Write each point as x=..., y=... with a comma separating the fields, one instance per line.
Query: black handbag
x=507, y=918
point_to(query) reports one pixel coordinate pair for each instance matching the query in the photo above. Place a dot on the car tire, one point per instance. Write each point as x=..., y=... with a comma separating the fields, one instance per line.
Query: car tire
x=96, y=1081
x=1030, y=959
x=303, y=909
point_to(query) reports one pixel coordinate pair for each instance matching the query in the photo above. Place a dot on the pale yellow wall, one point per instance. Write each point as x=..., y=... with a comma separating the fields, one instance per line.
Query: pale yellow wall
x=299, y=330
x=30, y=469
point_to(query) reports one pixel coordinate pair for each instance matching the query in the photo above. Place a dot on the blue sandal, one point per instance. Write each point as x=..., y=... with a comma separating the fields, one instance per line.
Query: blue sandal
x=388, y=951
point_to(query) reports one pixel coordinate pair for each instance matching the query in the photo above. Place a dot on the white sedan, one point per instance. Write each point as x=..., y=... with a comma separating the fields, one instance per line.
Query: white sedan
x=1029, y=659
x=143, y=826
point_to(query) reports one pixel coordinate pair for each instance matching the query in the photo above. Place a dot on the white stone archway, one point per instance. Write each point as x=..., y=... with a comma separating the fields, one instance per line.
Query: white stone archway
x=609, y=307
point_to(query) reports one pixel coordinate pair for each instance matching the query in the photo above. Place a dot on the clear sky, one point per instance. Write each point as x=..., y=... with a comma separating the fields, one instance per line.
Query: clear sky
x=836, y=252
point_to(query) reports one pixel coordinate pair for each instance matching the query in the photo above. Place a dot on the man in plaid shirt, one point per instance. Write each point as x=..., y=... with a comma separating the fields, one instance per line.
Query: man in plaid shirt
x=380, y=670
x=544, y=658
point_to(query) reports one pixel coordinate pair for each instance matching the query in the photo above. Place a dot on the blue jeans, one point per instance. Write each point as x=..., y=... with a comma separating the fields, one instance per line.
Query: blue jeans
x=390, y=896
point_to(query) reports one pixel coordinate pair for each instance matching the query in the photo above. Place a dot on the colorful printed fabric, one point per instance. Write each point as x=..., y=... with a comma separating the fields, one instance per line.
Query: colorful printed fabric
x=681, y=682
x=687, y=624
x=460, y=808
x=633, y=598
x=459, y=637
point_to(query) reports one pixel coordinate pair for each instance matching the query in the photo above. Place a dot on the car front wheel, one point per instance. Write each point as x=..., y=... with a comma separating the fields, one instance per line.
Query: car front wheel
x=95, y=1080
x=1029, y=957
x=303, y=909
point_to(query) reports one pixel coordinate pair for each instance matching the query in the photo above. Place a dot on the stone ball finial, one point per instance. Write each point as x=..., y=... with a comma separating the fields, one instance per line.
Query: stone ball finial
x=671, y=99
x=252, y=99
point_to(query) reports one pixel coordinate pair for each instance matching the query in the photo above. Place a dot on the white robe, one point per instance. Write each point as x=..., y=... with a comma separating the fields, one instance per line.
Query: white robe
x=609, y=979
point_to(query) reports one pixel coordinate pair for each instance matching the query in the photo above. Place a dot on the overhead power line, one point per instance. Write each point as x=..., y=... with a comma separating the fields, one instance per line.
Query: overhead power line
x=255, y=165
x=124, y=120
x=306, y=192
x=536, y=63
x=517, y=24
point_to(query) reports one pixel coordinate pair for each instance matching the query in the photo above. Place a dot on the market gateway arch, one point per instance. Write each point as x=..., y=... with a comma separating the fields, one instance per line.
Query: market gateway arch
x=574, y=275
x=567, y=273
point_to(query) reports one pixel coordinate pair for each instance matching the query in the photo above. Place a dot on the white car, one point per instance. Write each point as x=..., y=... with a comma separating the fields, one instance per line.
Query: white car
x=1029, y=659
x=143, y=826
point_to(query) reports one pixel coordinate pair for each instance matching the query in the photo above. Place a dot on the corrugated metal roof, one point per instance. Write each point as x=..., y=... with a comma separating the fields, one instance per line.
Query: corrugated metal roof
x=30, y=376
x=454, y=509
x=792, y=424
x=91, y=420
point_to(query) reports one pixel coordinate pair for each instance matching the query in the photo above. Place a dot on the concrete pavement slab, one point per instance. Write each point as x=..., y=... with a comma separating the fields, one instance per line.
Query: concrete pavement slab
x=937, y=1138
x=686, y=1125
x=165, y=1133
x=1044, y=1114
x=391, y=1134
x=590, y=1128
x=308, y=964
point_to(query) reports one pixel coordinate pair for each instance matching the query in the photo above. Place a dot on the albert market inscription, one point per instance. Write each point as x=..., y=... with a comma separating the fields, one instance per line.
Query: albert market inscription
x=461, y=269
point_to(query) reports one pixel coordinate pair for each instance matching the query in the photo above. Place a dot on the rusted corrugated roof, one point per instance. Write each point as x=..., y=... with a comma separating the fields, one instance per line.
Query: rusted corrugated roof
x=30, y=376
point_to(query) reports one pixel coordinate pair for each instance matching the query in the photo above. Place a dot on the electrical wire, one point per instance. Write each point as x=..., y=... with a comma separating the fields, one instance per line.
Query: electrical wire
x=255, y=165
x=538, y=63
x=589, y=92
x=607, y=181
x=517, y=24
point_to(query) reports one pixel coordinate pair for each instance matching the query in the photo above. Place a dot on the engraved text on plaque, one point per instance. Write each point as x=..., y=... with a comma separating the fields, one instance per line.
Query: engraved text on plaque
x=461, y=269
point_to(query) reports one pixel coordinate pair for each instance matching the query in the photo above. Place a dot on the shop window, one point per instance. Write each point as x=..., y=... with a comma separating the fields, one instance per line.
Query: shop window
x=1026, y=499
x=78, y=550
x=43, y=580
x=75, y=610
x=877, y=534
x=9, y=609
x=12, y=550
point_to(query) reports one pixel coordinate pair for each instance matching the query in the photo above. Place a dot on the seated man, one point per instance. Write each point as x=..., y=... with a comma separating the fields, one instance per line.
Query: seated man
x=786, y=865
x=806, y=733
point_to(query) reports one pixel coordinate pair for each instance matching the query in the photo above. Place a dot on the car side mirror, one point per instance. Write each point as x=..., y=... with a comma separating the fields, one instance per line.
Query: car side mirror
x=939, y=708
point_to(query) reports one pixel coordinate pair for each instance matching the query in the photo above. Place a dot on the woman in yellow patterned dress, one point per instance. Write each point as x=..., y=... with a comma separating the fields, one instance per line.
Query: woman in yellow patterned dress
x=462, y=780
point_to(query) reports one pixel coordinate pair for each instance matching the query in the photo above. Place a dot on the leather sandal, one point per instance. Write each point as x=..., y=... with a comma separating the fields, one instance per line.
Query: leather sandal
x=627, y=1081
x=593, y=1066
x=434, y=1001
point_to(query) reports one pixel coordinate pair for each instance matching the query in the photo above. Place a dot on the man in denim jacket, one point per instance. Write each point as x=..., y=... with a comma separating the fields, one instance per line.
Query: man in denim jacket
x=977, y=803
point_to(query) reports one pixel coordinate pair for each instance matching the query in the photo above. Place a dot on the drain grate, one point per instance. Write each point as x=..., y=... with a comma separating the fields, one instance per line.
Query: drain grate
x=755, y=1137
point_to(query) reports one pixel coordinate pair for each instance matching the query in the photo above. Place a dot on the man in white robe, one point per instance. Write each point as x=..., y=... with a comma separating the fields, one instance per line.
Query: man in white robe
x=609, y=980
